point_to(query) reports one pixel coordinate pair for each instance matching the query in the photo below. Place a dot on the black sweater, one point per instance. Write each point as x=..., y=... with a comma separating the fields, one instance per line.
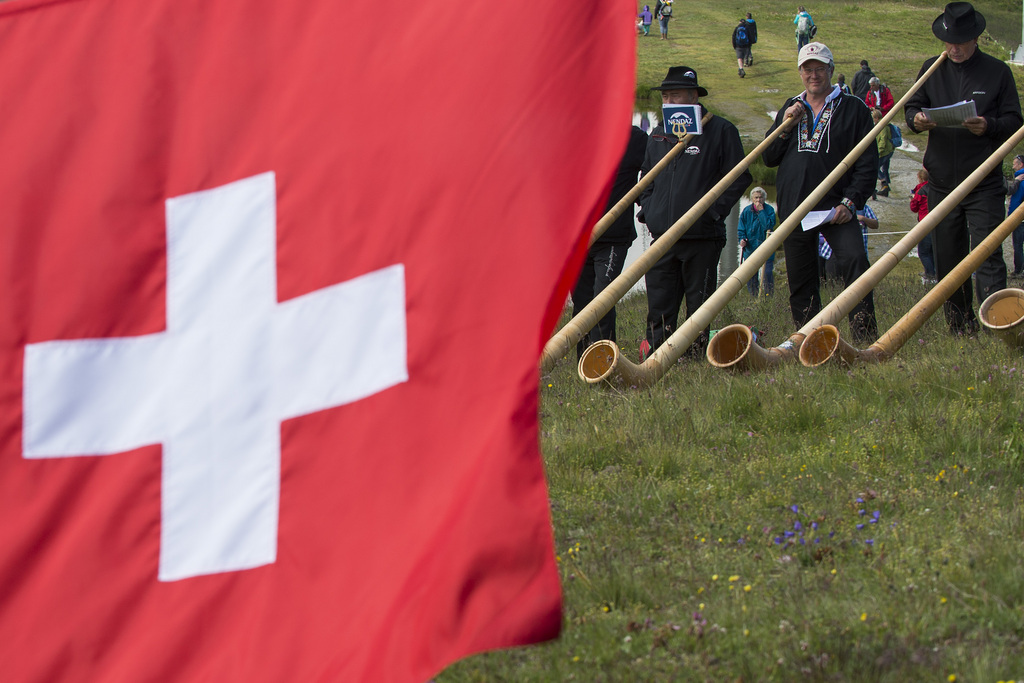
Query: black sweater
x=705, y=161
x=953, y=151
x=804, y=164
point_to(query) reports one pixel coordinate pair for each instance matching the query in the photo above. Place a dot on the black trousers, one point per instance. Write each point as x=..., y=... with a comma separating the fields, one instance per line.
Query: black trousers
x=689, y=271
x=961, y=230
x=847, y=243
x=602, y=265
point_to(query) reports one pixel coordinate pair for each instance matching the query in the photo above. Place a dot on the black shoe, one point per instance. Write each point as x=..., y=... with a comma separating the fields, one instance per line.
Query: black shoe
x=742, y=72
x=883, y=192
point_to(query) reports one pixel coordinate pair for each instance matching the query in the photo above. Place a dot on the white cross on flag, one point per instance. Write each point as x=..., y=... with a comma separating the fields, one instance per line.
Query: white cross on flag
x=273, y=291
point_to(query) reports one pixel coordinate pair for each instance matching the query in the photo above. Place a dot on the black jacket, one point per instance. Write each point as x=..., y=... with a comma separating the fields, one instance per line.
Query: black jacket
x=736, y=42
x=860, y=83
x=954, y=152
x=623, y=230
x=803, y=164
x=706, y=160
x=751, y=30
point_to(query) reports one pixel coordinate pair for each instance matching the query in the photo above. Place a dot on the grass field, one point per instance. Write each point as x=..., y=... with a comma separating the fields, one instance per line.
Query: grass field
x=836, y=524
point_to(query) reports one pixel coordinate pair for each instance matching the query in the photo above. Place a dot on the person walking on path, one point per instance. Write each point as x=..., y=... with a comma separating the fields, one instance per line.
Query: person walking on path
x=757, y=222
x=688, y=272
x=862, y=80
x=885, y=150
x=919, y=205
x=741, y=43
x=954, y=152
x=752, y=32
x=645, y=20
x=805, y=28
x=1015, y=189
x=830, y=126
x=878, y=95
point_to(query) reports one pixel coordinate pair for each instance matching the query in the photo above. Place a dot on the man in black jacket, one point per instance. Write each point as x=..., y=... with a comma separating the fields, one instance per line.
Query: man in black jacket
x=862, y=80
x=954, y=152
x=690, y=268
x=831, y=125
x=607, y=255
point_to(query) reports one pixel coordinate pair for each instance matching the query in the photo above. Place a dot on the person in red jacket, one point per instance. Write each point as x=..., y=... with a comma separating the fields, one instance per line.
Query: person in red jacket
x=919, y=205
x=878, y=96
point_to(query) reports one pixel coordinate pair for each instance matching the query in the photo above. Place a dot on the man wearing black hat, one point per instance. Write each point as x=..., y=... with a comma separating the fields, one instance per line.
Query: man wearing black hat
x=954, y=152
x=689, y=271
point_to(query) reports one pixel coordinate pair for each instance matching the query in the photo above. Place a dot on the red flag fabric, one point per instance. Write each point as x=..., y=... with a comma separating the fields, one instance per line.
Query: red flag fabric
x=274, y=282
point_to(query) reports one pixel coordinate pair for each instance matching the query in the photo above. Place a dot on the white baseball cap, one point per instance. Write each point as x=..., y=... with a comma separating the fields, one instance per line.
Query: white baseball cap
x=816, y=51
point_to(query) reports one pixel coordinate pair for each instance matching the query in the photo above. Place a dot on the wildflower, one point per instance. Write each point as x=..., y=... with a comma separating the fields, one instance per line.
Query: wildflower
x=862, y=512
x=550, y=385
x=859, y=527
x=876, y=514
x=734, y=577
x=942, y=601
x=951, y=678
x=576, y=658
x=870, y=541
x=860, y=500
x=746, y=632
x=833, y=572
x=701, y=608
x=863, y=616
x=747, y=588
x=814, y=525
x=795, y=508
x=797, y=526
x=714, y=577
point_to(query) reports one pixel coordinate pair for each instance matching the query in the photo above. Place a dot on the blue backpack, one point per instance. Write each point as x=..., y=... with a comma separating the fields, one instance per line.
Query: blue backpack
x=897, y=136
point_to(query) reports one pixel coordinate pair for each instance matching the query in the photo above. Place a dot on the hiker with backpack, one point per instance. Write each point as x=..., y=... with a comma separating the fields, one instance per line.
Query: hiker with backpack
x=886, y=148
x=741, y=43
x=663, y=10
x=805, y=28
x=752, y=32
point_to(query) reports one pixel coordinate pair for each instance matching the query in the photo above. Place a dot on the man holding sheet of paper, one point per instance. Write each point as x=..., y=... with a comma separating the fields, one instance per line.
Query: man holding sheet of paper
x=831, y=125
x=969, y=107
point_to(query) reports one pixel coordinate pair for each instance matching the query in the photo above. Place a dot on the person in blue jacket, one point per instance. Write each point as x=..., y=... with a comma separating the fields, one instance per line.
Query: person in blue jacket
x=1016, y=191
x=757, y=222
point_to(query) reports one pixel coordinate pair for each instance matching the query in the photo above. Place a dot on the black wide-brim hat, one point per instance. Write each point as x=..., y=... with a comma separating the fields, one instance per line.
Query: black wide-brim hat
x=681, y=78
x=959, y=23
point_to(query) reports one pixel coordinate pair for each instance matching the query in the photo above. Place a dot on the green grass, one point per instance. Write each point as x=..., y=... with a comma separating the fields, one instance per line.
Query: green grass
x=671, y=505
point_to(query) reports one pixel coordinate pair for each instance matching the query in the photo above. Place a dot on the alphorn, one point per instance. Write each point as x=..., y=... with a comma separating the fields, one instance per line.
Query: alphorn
x=824, y=343
x=736, y=348
x=627, y=201
x=603, y=361
x=585, y=320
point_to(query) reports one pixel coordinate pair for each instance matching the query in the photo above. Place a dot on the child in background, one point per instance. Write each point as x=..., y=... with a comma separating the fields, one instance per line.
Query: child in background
x=644, y=20
x=919, y=204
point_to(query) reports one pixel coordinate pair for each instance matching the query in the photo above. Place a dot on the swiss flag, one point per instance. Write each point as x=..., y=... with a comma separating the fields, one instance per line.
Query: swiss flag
x=274, y=281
